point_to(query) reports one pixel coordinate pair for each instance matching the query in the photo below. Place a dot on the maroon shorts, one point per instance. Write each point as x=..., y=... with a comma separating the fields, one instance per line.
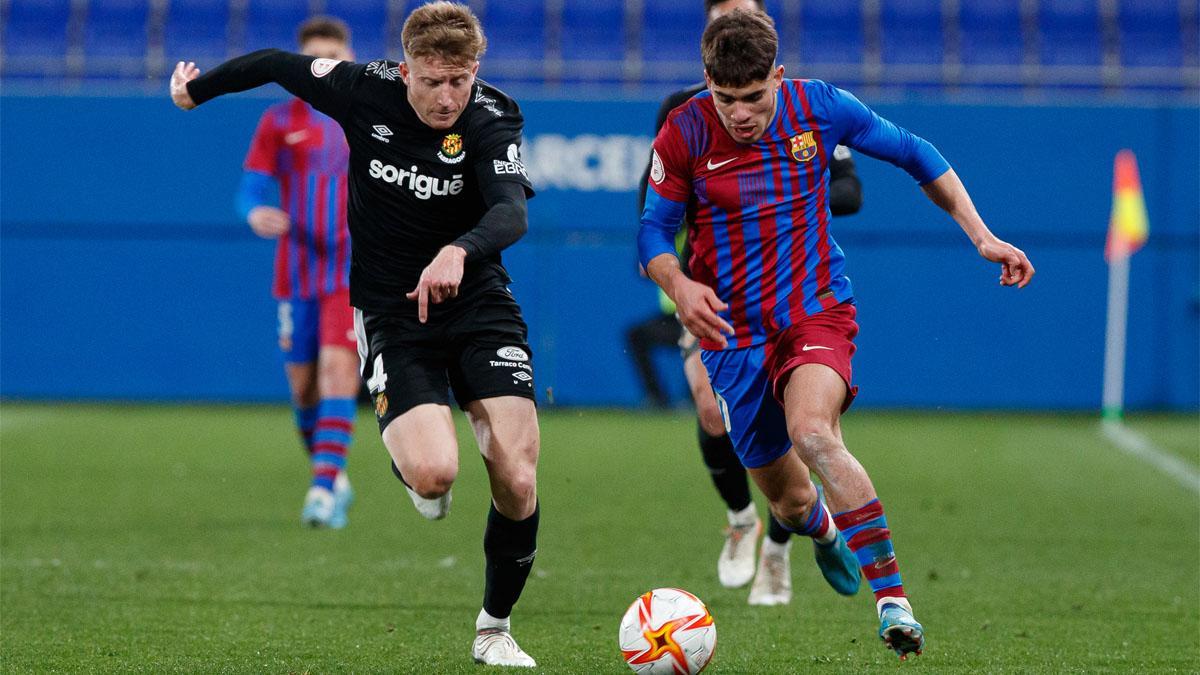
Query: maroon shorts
x=826, y=338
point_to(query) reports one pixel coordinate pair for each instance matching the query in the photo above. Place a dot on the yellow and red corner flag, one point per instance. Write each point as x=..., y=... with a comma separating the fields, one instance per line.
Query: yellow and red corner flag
x=1128, y=226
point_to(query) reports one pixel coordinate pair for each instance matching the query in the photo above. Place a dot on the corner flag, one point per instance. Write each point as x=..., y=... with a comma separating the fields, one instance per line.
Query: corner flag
x=1128, y=228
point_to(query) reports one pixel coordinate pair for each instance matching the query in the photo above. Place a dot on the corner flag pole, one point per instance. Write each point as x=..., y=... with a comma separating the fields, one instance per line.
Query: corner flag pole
x=1128, y=228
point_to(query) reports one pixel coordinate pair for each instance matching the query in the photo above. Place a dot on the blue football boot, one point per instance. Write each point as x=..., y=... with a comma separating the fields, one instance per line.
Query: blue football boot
x=838, y=563
x=900, y=631
x=343, y=497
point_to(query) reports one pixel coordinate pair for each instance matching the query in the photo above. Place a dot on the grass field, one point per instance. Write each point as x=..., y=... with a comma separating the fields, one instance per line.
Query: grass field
x=157, y=539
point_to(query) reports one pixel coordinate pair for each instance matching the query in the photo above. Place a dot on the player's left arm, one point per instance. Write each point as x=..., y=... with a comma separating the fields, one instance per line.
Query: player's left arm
x=505, y=187
x=859, y=127
x=949, y=193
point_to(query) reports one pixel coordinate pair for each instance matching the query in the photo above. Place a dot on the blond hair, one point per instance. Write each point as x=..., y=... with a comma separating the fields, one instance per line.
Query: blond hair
x=445, y=30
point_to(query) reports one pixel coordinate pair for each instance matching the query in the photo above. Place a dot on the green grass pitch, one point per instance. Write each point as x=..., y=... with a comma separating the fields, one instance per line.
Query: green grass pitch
x=167, y=539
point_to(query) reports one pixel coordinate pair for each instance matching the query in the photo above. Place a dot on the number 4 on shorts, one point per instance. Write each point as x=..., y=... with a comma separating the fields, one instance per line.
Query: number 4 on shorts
x=378, y=378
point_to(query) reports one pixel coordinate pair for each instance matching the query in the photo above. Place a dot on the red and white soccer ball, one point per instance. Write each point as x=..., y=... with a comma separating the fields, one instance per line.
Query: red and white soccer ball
x=668, y=630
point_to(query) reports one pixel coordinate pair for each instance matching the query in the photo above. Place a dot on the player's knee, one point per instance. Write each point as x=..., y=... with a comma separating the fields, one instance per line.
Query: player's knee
x=431, y=479
x=813, y=439
x=522, y=485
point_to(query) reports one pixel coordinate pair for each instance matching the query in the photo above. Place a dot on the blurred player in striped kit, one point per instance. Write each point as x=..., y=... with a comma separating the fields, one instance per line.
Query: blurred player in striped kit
x=768, y=295
x=294, y=190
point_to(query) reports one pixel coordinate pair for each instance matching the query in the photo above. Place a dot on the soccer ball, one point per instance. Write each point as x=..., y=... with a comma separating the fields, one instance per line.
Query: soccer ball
x=668, y=630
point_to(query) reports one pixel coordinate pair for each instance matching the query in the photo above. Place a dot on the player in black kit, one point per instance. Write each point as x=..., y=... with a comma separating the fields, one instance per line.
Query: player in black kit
x=436, y=190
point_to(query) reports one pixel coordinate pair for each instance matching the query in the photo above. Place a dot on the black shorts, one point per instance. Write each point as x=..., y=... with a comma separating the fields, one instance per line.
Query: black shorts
x=478, y=349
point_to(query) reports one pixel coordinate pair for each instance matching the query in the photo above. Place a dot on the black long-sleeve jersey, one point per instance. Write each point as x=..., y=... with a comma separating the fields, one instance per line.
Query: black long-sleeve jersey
x=845, y=189
x=412, y=189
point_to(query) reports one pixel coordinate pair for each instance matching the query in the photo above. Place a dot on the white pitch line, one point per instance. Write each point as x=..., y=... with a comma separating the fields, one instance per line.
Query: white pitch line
x=1139, y=446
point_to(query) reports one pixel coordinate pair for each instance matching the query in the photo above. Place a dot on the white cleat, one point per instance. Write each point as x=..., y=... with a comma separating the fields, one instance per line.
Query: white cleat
x=433, y=509
x=735, y=567
x=773, y=582
x=318, y=507
x=496, y=647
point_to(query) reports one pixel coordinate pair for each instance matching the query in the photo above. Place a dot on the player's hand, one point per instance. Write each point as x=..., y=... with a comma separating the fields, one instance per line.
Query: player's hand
x=1015, y=268
x=439, y=281
x=697, y=306
x=184, y=73
x=269, y=222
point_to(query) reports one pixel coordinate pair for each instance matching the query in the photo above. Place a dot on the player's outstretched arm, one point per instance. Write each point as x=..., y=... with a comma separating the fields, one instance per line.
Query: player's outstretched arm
x=948, y=192
x=324, y=83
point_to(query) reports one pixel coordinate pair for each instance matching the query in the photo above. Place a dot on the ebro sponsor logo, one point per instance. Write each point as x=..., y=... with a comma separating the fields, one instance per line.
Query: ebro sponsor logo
x=421, y=185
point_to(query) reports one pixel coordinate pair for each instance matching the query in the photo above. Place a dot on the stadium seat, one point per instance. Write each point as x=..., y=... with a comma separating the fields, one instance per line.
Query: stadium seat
x=911, y=32
x=368, y=21
x=116, y=28
x=990, y=32
x=516, y=29
x=1151, y=33
x=273, y=23
x=671, y=31
x=1070, y=32
x=37, y=29
x=593, y=30
x=197, y=30
x=831, y=32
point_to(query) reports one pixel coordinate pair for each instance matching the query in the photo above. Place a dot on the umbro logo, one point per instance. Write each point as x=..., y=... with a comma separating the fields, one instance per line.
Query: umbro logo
x=381, y=133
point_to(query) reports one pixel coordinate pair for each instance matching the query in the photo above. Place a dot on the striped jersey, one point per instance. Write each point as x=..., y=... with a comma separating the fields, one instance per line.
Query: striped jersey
x=307, y=153
x=760, y=236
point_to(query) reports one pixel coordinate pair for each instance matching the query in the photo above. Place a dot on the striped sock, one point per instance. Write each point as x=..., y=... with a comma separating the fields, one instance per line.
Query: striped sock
x=867, y=534
x=818, y=525
x=306, y=423
x=335, y=422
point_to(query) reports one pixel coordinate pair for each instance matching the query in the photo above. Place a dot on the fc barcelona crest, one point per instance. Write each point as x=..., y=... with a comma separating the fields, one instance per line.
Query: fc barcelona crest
x=452, y=149
x=804, y=147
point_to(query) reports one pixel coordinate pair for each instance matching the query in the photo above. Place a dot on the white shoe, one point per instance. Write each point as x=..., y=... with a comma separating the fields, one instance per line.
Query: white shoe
x=433, y=509
x=496, y=647
x=773, y=582
x=735, y=567
x=318, y=507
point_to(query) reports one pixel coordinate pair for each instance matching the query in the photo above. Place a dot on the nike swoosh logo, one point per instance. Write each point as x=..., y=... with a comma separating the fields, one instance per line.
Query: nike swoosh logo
x=809, y=348
x=718, y=165
x=881, y=564
x=295, y=137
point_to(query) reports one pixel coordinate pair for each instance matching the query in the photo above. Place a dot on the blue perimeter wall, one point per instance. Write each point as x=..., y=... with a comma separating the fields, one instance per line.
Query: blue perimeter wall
x=124, y=273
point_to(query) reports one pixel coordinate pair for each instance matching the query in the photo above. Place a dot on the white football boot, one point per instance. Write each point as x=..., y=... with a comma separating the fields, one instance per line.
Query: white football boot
x=433, y=509
x=496, y=647
x=773, y=582
x=735, y=567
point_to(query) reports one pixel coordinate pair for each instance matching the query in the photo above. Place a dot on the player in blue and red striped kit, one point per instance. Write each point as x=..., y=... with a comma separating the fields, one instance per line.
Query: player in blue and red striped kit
x=294, y=189
x=768, y=295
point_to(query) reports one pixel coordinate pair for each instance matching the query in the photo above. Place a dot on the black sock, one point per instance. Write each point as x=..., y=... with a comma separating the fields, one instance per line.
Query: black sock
x=509, y=547
x=726, y=470
x=776, y=531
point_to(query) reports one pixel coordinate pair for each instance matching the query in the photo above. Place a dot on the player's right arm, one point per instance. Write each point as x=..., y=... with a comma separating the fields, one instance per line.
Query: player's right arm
x=258, y=194
x=324, y=83
x=666, y=201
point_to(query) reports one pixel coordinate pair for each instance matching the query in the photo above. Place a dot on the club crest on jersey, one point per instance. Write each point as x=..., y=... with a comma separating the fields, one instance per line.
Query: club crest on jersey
x=381, y=404
x=804, y=147
x=452, y=149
